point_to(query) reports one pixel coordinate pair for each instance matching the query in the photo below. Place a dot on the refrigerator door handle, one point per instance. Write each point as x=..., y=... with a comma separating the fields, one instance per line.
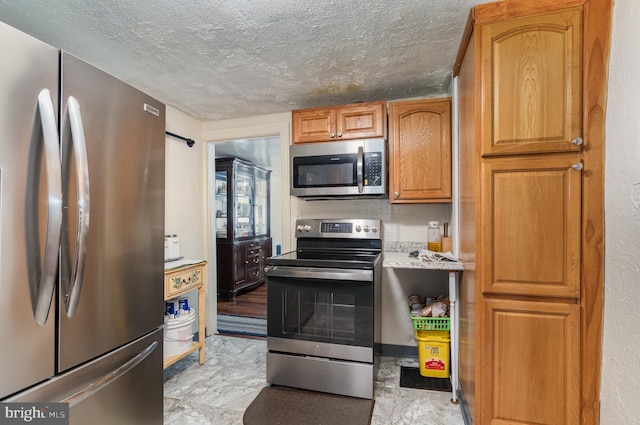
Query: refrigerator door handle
x=42, y=276
x=72, y=132
x=97, y=385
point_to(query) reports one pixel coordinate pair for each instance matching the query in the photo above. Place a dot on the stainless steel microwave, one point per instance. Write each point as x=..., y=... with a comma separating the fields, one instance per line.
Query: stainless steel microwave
x=356, y=168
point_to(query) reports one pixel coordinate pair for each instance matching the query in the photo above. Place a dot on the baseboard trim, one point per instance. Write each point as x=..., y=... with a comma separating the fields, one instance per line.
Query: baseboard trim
x=396, y=350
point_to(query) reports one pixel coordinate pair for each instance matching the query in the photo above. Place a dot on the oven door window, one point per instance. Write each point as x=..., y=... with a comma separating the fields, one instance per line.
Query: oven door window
x=338, y=312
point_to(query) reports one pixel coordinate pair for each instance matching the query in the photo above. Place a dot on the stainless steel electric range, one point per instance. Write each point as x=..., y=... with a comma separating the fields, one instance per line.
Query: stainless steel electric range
x=321, y=303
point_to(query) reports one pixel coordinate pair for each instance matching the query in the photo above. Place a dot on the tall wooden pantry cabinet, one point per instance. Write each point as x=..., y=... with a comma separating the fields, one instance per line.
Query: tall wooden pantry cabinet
x=532, y=81
x=243, y=237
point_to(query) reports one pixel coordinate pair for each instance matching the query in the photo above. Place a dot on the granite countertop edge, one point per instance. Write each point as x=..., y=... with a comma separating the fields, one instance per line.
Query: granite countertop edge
x=396, y=255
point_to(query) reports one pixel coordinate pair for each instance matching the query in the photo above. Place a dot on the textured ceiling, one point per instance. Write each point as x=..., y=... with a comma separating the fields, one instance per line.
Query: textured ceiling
x=216, y=59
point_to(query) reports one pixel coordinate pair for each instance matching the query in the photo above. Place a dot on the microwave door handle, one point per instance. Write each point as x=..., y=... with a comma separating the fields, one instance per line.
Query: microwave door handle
x=359, y=170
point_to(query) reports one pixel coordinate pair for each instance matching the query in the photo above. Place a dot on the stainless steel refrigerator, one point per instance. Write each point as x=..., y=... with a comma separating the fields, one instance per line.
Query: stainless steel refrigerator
x=81, y=229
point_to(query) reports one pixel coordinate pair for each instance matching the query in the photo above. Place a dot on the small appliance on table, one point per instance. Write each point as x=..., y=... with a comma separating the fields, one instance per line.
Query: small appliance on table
x=322, y=298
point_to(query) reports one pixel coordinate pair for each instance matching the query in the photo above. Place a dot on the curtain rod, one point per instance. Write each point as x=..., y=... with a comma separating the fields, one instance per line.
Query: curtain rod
x=190, y=142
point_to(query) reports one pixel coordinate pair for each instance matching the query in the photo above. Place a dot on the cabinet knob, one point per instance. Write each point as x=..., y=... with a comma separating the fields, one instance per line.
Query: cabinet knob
x=396, y=194
x=333, y=135
x=339, y=134
x=577, y=166
x=577, y=141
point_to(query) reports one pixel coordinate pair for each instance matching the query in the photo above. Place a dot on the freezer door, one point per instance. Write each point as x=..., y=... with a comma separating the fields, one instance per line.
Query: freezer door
x=28, y=206
x=112, y=254
x=123, y=387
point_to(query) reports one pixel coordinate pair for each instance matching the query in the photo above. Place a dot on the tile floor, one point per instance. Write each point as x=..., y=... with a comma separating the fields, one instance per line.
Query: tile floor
x=219, y=391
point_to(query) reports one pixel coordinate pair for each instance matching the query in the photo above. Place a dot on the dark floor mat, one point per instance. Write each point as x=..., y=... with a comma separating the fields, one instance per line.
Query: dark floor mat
x=287, y=406
x=410, y=378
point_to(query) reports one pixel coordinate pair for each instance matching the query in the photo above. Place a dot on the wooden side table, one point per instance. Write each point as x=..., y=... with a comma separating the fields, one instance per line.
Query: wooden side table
x=178, y=281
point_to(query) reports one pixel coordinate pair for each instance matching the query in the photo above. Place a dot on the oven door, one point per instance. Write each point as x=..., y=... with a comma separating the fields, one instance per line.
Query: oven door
x=339, y=168
x=321, y=312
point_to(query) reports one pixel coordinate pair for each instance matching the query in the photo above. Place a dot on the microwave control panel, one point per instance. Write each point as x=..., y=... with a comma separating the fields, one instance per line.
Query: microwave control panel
x=373, y=169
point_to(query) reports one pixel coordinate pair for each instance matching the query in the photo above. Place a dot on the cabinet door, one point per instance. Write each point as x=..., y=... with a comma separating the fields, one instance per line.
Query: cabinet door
x=531, y=214
x=261, y=204
x=531, y=363
x=221, y=218
x=531, y=84
x=243, y=207
x=364, y=121
x=345, y=122
x=313, y=125
x=241, y=262
x=420, y=151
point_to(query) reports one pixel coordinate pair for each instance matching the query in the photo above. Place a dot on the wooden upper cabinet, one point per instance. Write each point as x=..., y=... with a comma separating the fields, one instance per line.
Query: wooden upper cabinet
x=364, y=121
x=346, y=122
x=313, y=125
x=532, y=84
x=420, y=151
x=531, y=225
x=531, y=363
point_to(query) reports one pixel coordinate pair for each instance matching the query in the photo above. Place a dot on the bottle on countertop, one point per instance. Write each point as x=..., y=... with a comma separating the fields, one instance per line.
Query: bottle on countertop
x=434, y=237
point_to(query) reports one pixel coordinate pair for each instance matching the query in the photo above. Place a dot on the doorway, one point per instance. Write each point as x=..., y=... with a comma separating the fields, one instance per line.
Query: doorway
x=276, y=126
x=246, y=314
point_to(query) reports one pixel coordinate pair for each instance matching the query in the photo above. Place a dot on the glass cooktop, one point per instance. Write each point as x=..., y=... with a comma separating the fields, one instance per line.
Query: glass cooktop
x=360, y=259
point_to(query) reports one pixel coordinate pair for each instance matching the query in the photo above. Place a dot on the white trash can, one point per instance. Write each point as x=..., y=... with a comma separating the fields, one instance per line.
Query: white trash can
x=178, y=334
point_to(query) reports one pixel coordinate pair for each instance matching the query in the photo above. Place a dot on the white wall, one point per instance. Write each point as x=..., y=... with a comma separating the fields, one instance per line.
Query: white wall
x=185, y=199
x=620, y=390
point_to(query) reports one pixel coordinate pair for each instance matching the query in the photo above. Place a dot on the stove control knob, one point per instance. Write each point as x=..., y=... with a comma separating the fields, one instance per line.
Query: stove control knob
x=366, y=228
x=307, y=228
x=374, y=229
x=358, y=228
x=300, y=228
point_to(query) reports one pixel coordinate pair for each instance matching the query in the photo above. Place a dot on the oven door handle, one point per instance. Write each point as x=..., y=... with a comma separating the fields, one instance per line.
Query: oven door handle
x=319, y=273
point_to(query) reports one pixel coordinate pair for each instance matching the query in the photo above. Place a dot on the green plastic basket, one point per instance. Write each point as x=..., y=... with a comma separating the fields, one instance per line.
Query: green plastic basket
x=431, y=323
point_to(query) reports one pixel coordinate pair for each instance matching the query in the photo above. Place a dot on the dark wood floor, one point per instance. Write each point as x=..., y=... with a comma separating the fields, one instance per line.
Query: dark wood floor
x=247, y=304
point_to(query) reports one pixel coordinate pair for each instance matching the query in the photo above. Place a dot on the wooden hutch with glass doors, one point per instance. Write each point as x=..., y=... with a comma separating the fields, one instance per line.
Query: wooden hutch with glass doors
x=243, y=238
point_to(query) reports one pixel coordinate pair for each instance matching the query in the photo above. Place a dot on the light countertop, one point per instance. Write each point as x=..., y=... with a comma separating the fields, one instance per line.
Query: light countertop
x=182, y=262
x=396, y=255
